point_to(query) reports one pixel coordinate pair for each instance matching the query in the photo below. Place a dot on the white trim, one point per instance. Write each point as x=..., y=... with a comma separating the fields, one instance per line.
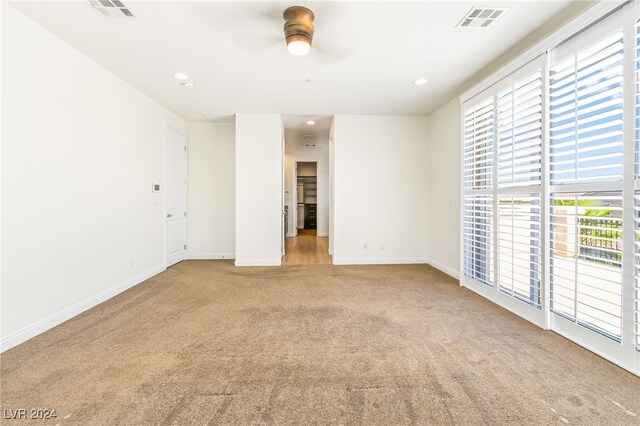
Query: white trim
x=567, y=31
x=505, y=301
x=444, y=268
x=56, y=319
x=259, y=262
x=323, y=234
x=210, y=256
x=291, y=235
x=599, y=345
x=630, y=357
x=379, y=261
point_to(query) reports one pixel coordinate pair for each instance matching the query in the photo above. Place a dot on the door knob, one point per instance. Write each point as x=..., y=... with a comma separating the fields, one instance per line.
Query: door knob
x=169, y=215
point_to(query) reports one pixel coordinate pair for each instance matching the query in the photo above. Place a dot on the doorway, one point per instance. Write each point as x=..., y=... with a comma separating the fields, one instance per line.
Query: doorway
x=307, y=190
x=307, y=198
x=306, y=247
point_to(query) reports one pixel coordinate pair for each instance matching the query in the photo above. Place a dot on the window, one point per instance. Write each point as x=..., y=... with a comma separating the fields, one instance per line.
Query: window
x=586, y=260
x=478, y=236
x=551, y=212
x=478, y=200
x=586, y=114
x=519, y=178
x=478, y=146
x=519, y=247
x=586, y=149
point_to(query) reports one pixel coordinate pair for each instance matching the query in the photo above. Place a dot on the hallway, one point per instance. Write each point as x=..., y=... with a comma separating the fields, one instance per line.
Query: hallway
x=307, y=250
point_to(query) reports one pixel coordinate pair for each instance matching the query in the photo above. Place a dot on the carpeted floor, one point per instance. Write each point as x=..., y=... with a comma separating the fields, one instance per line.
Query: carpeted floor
x=208, y=343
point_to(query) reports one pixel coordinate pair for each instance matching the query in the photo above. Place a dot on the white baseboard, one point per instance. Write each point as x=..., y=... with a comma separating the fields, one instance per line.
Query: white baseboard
x=379, y=261
x=210, y=256
x=26, y=333
x=444, y=268
x=291, y=234
x=258, y=262
x=323, y=234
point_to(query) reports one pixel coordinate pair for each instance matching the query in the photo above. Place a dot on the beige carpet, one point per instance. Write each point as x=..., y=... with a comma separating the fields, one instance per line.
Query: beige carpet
x=208, y=343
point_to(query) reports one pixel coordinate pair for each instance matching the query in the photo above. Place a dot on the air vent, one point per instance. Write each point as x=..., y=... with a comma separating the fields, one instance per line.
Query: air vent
x=481, y=17
x=310, y=144
x=217, y=117
x=111, y=8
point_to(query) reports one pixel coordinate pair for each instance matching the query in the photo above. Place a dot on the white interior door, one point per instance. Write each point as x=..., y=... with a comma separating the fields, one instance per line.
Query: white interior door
x=176, y=197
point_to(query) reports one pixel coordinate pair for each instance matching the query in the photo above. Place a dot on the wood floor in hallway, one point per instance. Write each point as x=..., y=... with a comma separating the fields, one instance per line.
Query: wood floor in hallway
x=307, y=250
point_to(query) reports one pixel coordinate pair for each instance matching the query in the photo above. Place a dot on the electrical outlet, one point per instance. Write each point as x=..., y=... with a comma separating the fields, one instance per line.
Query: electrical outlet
x=365, y=245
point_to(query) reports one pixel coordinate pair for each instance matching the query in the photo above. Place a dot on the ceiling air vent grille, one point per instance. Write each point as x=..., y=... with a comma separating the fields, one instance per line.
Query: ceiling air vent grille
x=481, y=17
x=219, y=117
x=110, y=8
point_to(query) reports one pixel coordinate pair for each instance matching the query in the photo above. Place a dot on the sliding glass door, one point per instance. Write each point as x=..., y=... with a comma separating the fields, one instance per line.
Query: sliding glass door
x=551, y=216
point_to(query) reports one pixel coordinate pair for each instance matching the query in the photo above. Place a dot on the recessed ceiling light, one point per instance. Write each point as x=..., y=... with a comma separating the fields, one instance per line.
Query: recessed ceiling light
x=189, y=85
x=420, y=81
x=181, y=76
x=311, y=122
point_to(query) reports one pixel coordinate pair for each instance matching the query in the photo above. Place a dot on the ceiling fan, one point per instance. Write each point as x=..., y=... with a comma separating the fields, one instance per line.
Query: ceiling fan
x=265, y=34
x=298, y=29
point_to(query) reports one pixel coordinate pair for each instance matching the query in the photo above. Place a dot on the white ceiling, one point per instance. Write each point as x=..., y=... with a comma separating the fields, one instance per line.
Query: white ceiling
x=299, y=122
x=364, y=58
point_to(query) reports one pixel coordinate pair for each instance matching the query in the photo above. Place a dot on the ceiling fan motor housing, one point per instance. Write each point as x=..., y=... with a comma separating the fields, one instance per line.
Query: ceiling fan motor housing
x=298, y=24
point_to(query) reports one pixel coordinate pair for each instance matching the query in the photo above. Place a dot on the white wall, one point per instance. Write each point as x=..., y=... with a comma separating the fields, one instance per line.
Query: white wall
x=80, y=150
x=259, y=188
x=295, y=152
x=380, y=189
x=212, y=191
x=443, y=179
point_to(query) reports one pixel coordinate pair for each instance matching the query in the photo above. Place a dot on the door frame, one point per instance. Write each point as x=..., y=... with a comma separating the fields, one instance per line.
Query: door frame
x=185, y=163
x=295, y=189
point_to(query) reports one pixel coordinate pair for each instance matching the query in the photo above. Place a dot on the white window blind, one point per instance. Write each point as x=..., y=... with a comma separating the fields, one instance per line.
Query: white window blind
x=519, y=178
x=479, y=131
x=551, y=208
x=519, y=247
x=586, y=260
x=586, y=140
x=520, y=133
x=478, y=238
x=478, y=145
x=586, y=146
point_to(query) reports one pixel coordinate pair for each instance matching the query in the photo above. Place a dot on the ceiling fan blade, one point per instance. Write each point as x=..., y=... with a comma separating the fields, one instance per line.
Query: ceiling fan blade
x=260, y=29
x=255, y=42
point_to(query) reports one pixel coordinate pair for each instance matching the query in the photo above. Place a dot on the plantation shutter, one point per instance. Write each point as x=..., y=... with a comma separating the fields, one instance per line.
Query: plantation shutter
x=478, y=217
x=520, y=133
x=519, y=178
x=478, y=146
x=586, y=141
x=586, y=171
x=586, y=261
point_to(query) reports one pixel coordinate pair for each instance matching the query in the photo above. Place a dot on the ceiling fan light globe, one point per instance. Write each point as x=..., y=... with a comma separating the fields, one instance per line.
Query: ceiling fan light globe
x=299, y=47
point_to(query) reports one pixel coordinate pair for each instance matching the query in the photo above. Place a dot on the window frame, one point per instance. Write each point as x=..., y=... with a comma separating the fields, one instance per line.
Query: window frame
x=624, y=354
